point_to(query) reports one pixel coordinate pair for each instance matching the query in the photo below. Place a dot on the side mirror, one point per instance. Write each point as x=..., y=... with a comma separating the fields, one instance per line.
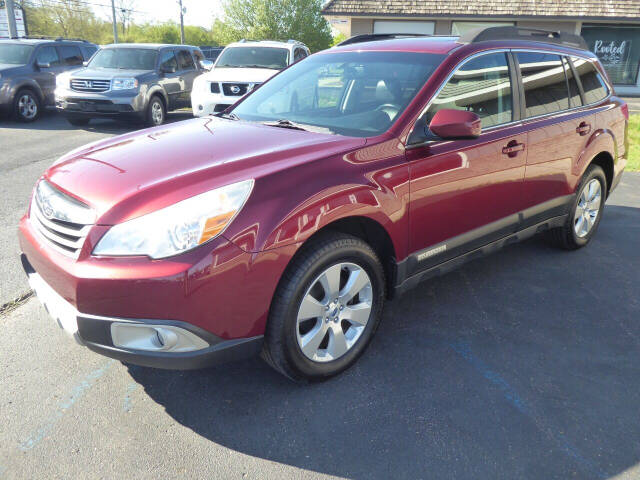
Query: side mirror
x=168, y=69
x=43, y=65
x=84, y=64
x=452, y=124
x=206, y=64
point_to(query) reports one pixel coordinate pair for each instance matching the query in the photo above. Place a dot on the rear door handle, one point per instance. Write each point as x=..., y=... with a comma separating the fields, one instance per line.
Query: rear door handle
x=512, y=148
x=583, y=129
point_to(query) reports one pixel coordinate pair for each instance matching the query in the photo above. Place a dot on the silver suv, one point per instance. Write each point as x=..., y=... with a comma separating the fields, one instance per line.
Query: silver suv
x=28, y=69
x=140, y=81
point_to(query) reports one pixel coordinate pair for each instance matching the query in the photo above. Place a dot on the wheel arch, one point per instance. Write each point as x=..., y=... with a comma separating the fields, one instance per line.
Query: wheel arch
x=604, y=160
x=29, y=84
x=368, y=230
x=158, y=92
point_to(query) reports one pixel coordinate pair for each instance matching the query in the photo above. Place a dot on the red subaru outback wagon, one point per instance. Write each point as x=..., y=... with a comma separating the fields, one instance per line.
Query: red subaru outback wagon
x=282, y=225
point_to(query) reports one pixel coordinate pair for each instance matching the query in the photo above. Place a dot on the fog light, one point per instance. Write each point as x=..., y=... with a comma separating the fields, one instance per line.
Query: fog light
x=155, y=338
x=200, y=107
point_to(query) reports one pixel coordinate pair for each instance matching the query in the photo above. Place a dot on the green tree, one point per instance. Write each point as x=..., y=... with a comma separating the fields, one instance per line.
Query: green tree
x=274, y=20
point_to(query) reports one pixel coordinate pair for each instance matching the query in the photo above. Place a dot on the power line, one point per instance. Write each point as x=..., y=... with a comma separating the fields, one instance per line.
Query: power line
x=80, y=3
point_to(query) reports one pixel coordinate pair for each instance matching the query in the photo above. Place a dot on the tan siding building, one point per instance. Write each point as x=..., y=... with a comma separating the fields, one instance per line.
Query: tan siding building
x=610, y=27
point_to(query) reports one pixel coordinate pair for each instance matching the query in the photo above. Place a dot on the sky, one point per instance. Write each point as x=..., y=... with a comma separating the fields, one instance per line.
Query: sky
x=199, y=12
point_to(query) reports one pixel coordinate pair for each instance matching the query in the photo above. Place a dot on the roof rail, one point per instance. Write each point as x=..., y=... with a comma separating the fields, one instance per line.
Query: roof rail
x=62, y=39
x=372, y=37
x=521, y=33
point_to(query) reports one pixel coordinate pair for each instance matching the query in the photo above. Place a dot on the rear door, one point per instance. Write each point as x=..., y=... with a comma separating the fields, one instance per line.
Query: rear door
x=48, y=65
x=558, y=130
x=467, y=193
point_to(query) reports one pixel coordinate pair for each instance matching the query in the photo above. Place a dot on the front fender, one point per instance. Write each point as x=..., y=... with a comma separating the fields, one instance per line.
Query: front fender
x=288, y=207
x=26, y=82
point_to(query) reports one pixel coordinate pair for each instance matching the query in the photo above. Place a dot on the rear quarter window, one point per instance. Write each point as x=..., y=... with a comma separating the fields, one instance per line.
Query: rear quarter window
x=594, y=86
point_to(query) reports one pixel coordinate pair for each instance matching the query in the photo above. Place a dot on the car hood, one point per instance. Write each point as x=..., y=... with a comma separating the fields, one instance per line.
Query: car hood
x=249, y=75
x=7, y=68
x=106, y=73
x=133, y=174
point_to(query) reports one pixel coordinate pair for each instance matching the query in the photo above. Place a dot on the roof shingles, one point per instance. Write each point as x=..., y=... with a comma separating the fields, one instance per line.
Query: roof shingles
x=619, y=9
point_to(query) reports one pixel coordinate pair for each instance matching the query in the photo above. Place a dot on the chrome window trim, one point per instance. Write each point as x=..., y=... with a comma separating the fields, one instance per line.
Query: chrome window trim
x=513, y=122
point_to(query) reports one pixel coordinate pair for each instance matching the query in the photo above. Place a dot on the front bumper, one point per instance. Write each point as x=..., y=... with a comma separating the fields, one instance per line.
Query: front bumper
x=206, y=103
x=218, y=292
x=100, y=104
x=95, y=332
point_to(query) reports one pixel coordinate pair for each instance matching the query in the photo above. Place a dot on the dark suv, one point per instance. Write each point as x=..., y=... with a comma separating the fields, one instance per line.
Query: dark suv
x=28, y=69
x=141, y=81
x=283, y=225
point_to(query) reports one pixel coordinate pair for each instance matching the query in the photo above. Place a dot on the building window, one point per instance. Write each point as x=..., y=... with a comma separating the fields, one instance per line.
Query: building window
x=618, y=48
x=460, y=28
x=402, y=26
x=482, y=86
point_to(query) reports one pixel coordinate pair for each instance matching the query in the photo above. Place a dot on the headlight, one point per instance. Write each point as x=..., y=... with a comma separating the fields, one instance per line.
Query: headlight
x=62, y=80
x=179, y=227
x=124, y=83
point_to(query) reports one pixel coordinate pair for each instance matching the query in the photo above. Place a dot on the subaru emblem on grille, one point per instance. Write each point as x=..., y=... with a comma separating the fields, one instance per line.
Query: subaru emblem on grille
x=235, y=89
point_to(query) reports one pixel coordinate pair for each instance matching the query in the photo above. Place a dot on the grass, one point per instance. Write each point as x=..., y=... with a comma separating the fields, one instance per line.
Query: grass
x=634, y=143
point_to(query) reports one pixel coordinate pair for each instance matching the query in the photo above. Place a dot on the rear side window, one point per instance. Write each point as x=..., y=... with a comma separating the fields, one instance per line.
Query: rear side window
x=185, y=61
x=88, y=50
x=574, y=91
x=544, y=83
x=592, y=82
x=482, y=86
x=71, y=55
x=48, y=55
x=299, y=54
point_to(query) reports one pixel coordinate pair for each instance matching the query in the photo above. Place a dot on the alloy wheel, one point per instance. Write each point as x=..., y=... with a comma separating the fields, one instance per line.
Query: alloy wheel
x=27, y=107
x=588, y=208
x=334, y=312
x=157, y=115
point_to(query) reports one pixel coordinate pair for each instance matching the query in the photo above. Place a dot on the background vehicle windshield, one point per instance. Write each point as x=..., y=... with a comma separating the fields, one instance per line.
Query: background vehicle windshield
x=256, y=57
x=125, y=59
x=353, y=93
x=13, y=54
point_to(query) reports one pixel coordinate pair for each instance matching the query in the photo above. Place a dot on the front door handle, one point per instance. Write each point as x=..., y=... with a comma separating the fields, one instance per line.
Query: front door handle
x=583, y=129
x=512, y=148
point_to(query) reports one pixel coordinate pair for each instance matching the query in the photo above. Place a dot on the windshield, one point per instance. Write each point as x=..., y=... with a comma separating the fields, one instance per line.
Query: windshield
x=256, y=57
x=125, y=59
x=353, y=93
x=13, y=54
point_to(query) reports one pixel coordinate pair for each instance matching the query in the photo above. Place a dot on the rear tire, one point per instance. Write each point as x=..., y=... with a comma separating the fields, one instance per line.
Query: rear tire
x=26, y=106
x=156, y=112
x=585, y=214
x=317, y=325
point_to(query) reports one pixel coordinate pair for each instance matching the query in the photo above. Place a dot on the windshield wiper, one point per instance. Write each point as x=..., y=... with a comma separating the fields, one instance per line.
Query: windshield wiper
x=284, y=123
x=230, y=116
x=261, y=66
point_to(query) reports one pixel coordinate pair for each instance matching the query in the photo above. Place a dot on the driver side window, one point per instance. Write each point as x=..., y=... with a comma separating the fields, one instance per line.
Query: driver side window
x=482, y=86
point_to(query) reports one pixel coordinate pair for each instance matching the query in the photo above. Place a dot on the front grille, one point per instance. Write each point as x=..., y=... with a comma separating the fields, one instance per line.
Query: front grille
x=65, y=237
x=235, y=89
x=220, y=107
x=90, y=85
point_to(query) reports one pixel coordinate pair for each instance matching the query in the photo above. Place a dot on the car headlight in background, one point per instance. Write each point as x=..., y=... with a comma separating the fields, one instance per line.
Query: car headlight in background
x=62, y=80
x=179, y=227
x=124, y=83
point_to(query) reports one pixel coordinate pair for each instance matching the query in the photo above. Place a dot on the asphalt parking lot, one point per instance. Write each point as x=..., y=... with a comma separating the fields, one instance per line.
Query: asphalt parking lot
x=524, y=364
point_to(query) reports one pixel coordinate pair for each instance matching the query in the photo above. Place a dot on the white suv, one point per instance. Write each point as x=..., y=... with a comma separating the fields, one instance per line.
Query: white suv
x=240, y=68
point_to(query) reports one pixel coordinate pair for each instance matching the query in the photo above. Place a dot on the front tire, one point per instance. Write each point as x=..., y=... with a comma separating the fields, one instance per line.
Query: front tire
x=156, y=113
x=586, y=212
x=26, y=106
x=326, y=308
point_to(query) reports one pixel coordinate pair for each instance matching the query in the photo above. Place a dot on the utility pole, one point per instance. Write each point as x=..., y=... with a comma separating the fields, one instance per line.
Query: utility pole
x=181, y=22
x=11, y=18
x=115, y=21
